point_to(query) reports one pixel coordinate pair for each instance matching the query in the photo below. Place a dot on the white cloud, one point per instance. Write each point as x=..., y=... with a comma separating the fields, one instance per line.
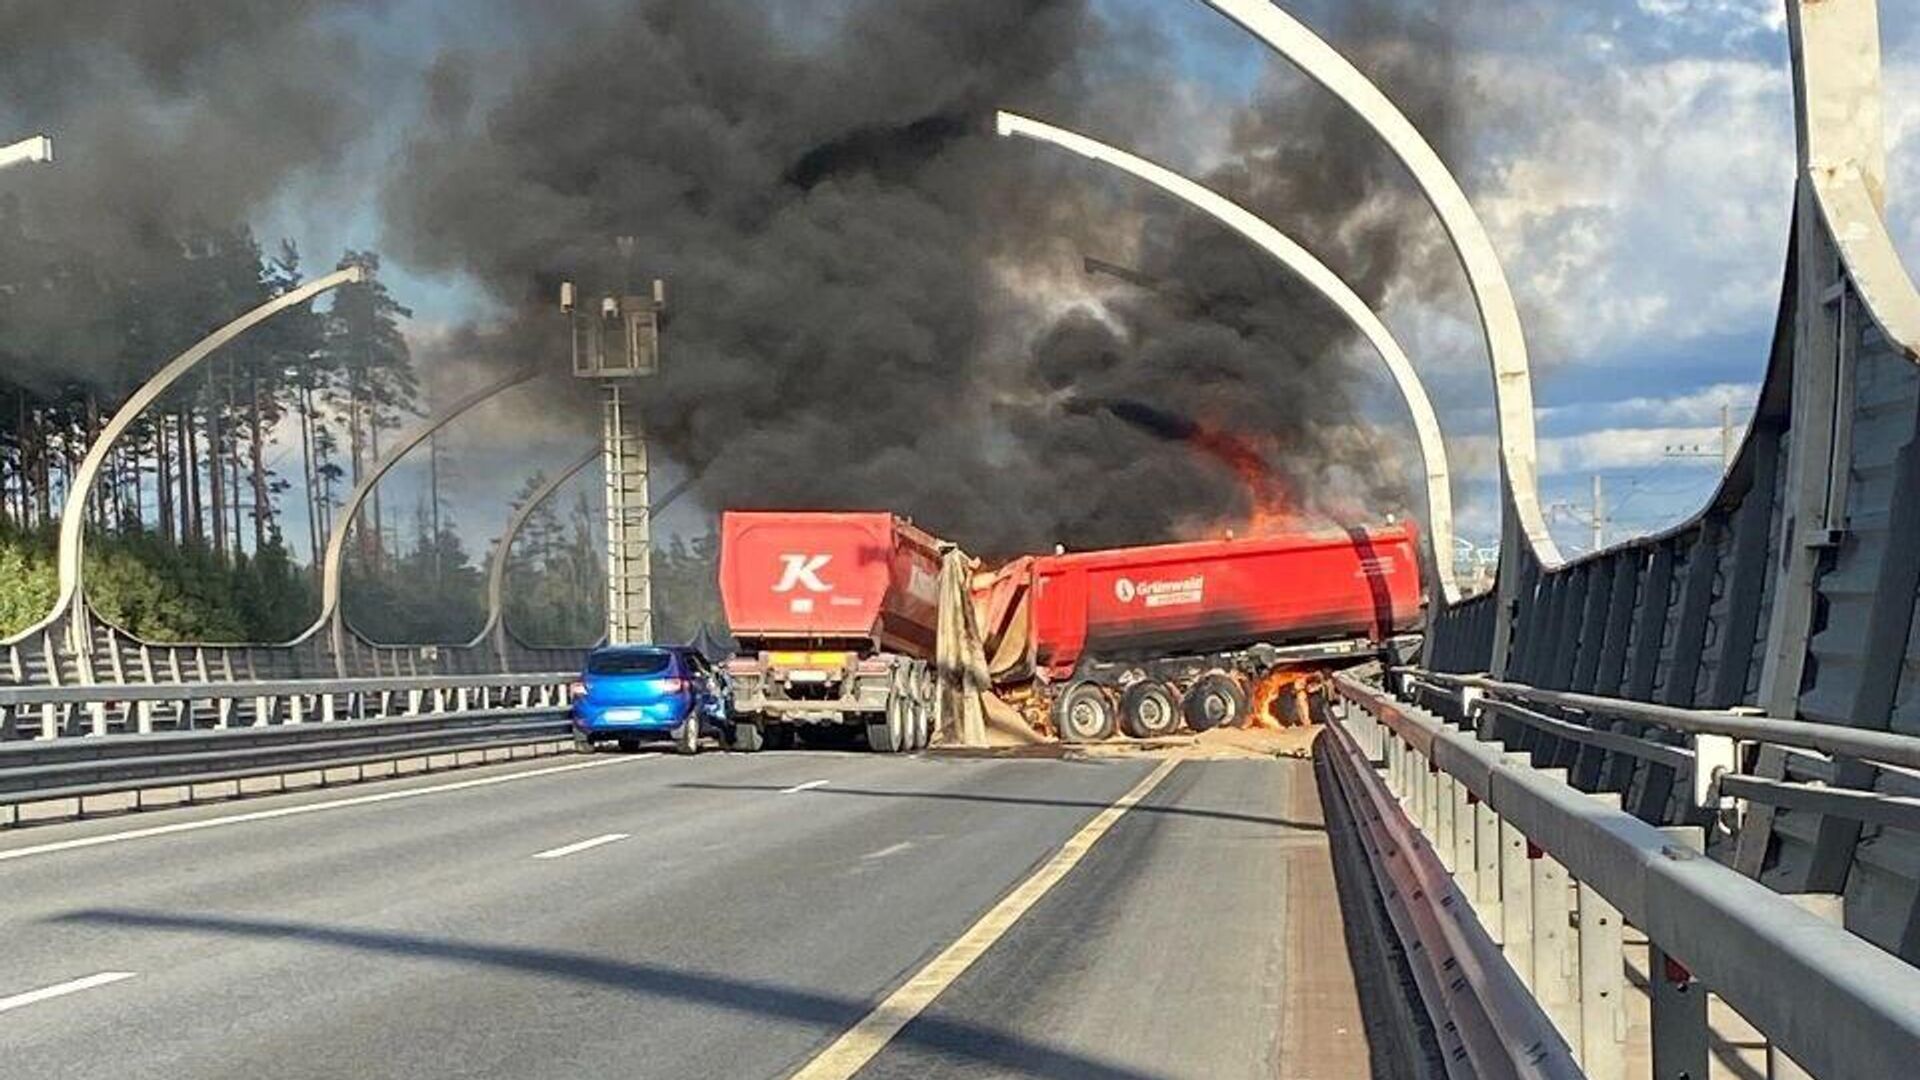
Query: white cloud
x=1647, y=203
x=1731, y=18
x=1698, y=408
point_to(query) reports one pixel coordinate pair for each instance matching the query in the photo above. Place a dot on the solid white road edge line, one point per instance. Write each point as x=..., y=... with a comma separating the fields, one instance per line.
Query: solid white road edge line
x=808, y=786
x=306, y=808
x=584, y=845
x=34, y=997
x=852, y=1051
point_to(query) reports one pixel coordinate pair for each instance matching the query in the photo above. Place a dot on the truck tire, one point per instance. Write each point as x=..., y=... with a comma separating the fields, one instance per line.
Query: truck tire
x=1148, y=710
x=1216, y=700
x=780, y=737
x=893, y=735
x=748, y=738
x=1084, y=713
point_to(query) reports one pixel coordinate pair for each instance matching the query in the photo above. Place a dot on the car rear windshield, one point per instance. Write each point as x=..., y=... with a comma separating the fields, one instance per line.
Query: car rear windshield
x=630, y=663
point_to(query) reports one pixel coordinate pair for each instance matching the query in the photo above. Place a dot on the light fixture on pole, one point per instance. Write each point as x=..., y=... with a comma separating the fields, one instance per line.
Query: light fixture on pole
x=616, y=342
x=35, y=151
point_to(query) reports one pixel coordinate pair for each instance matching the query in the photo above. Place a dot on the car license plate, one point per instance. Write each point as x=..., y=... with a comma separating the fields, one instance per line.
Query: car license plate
x=624, y=716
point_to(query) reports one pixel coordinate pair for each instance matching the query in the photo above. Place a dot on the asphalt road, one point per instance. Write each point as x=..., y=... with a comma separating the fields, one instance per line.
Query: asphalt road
x=655, y=916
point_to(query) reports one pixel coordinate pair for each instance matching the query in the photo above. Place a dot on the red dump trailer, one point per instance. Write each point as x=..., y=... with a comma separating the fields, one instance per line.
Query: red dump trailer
x=836, y=617
x=1150, y=639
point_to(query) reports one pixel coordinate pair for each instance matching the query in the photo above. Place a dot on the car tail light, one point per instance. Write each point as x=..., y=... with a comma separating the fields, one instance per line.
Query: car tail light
x=576, y=691
x=670, y=686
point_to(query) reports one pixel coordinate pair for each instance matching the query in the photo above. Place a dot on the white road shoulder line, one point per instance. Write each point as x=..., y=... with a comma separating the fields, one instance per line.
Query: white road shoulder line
x=584, y=845
x=808, y=786
x=891, y=849
x=34, y=997
x=863, y=1042
x=306, y=808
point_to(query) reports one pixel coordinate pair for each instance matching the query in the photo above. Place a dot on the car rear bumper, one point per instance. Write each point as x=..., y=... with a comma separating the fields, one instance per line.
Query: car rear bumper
x=660, y=718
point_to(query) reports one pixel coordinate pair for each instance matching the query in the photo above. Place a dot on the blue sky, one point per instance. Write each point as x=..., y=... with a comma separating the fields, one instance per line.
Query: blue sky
x=1635, y=165
x=1633, y=159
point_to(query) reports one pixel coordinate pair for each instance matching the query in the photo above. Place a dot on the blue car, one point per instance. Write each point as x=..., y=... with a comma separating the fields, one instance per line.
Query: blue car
x=631, y=694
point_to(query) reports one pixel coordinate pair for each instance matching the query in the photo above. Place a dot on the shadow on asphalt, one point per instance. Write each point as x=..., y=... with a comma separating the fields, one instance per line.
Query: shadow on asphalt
x=826, y=1013
x=1022, y=800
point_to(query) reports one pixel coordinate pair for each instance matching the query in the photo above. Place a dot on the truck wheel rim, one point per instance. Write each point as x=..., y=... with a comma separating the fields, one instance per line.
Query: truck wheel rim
x=1085, y=717
x=1153, y=714
x=1218, y=707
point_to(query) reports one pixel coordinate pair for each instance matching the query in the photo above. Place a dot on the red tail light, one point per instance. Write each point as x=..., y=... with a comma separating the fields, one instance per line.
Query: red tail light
x=670, y=686
x=577, y=691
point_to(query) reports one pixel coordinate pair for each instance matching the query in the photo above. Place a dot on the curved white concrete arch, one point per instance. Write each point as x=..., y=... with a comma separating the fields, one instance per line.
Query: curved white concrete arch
x=497, y=566
x=1493, y=296
x=333, y=564
x=73, y=516
x=1843, y=147
x=496, y=627
x=1315, y=273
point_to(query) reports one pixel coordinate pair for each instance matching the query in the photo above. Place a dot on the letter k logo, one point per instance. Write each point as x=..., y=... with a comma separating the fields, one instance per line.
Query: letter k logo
x=803, y=571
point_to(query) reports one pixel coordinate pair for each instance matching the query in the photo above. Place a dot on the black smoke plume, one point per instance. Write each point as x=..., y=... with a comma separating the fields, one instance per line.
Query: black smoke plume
x=875, y=303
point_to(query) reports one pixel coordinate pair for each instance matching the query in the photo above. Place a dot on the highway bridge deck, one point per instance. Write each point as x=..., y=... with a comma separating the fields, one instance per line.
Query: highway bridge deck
x=715, y=916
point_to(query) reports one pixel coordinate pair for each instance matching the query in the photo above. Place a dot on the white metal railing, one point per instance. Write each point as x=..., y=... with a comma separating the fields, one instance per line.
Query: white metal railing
x=1554, y=874
x=56, y=712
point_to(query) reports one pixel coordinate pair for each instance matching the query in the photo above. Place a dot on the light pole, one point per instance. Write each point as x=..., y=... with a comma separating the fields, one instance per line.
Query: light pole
x=35, y=151
x=615, y=344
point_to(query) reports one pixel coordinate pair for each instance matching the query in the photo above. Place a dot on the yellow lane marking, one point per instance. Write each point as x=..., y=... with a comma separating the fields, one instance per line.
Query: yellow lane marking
x=863, y=1042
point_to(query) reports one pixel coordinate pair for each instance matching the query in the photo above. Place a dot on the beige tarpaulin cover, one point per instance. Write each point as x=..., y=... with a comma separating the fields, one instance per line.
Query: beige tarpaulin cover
x=969, y=714
x=960, y=659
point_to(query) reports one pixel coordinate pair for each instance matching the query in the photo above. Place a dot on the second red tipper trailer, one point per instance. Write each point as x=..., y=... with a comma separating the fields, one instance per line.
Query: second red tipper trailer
x=836, y=617
x=1149, y=640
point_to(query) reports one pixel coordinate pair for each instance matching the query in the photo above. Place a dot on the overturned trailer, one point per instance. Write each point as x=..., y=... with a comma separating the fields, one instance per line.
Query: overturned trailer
x=1149, y=640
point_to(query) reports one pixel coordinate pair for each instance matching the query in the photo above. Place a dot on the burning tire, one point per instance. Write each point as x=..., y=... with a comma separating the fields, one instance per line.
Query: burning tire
x=1216, y=700
x=1148, y=710
x=1084, y=713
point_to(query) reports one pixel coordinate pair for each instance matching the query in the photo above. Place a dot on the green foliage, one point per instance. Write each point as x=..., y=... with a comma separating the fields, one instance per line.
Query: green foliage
x=29, y=583
x=429, y=594
x=162, y=592
x=686, y=588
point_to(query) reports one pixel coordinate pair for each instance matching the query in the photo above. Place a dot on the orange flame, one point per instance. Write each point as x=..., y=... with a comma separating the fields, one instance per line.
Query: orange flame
x=1272, y=509
x=1283, y=698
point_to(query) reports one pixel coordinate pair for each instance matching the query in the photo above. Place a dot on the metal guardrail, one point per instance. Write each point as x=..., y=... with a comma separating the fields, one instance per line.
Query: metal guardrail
x=1883, y=747
x=67, y=712
x=1552, y=871
x=1484, y=1020
x=80, y=769
x=1726, y=741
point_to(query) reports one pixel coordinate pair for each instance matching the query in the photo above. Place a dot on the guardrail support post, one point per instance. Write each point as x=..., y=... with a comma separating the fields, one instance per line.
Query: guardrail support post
x=1679, y=1027
x=1679, y=1002
x=1486, y=878
x=1466, y=857
x=1603, y=1017
x=1446, y=798
x=1516, y=901
x=1832, y=908
x=1556, y=948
